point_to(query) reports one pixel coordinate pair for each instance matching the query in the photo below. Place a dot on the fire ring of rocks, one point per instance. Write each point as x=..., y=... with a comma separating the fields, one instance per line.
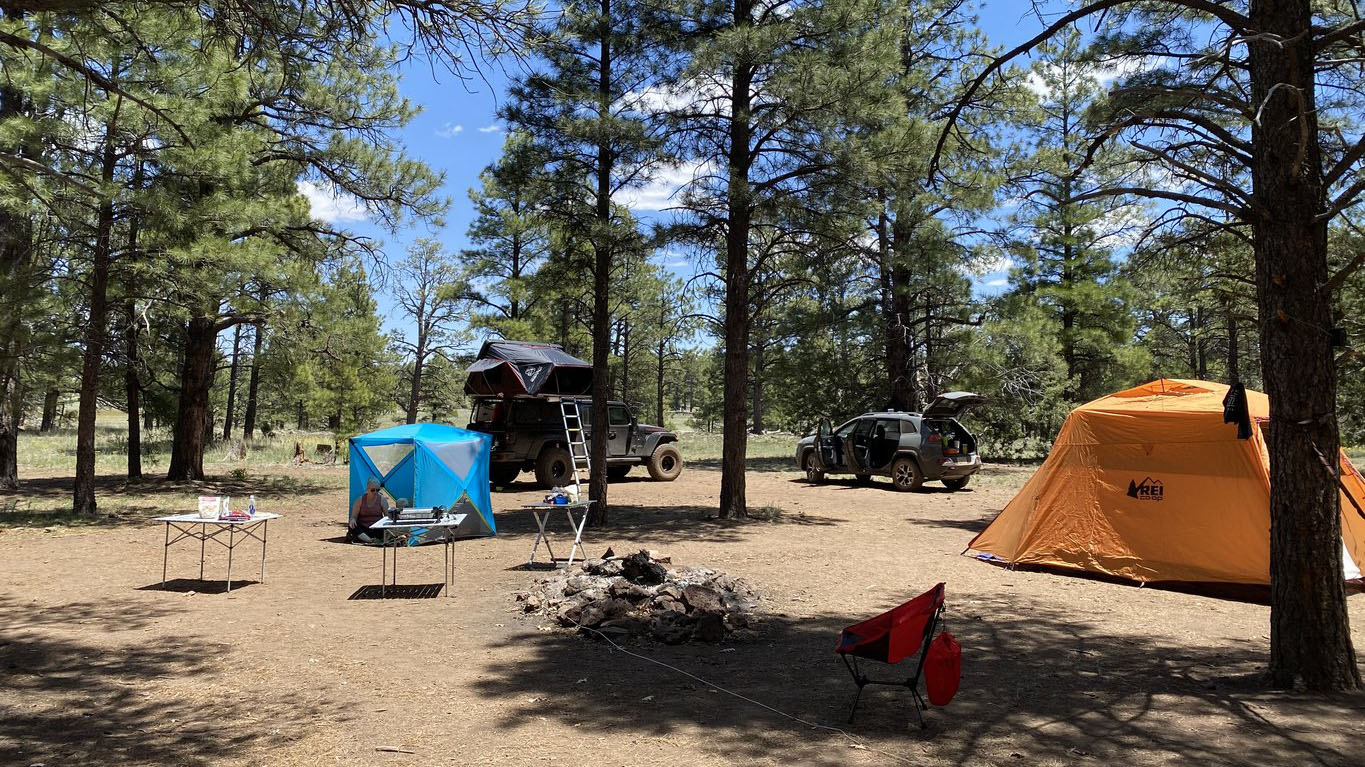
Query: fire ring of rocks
x=640, y=596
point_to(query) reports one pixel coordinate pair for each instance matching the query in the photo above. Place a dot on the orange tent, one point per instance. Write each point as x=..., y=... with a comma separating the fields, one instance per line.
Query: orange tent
x=1150, y=484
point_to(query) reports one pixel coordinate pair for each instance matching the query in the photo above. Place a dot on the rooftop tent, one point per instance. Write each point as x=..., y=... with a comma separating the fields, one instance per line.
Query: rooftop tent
x=509, y=368
x=1150, y=484
x=430, y=464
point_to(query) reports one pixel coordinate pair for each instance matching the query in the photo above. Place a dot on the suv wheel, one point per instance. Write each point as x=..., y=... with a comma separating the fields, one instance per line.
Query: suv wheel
x=666, y=463
x=906, y=474
x=956, y=484
x=503, y=474
x=554, y=467
x=812, y=467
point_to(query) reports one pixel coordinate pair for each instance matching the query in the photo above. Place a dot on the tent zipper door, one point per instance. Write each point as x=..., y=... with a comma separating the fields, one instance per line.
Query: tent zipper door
x=575, y=439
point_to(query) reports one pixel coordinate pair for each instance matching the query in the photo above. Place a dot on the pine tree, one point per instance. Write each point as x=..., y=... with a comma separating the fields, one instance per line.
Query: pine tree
x=429, y=295
x=1241, y=84
x=512, y=237
x=584, y=109
x=765, y=89
x=1065, y=249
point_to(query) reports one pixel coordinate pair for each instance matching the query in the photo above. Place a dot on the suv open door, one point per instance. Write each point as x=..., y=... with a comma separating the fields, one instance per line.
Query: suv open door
x=827, y=448
x=952, y=404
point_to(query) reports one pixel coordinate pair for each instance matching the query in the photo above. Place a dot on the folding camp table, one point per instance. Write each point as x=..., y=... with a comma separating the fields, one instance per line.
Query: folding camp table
x=542, y=511
x=405, y=533
x=197, y=528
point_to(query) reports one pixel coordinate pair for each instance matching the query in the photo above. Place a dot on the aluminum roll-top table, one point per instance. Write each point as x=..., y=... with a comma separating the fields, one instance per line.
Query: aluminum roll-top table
x=196, y=528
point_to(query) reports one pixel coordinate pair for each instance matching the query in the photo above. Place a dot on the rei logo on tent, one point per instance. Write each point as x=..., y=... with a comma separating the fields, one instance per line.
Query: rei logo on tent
x=1147, y=490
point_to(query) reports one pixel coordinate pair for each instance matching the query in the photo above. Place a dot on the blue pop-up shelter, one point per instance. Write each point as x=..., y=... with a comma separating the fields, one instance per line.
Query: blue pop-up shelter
x=430, y=464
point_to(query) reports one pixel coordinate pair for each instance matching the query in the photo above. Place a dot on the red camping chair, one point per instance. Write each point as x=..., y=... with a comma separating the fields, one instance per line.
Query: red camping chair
x=890, y=638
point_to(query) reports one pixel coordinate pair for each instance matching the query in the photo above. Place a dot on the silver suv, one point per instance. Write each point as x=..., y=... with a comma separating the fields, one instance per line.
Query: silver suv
x=907, y=447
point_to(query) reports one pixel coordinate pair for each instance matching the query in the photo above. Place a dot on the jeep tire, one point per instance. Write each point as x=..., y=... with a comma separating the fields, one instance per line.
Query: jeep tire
x=957, y=484
x=812, y=467
x=665, y=464
x=554, y=467
x=906, y=475
x=503, y=473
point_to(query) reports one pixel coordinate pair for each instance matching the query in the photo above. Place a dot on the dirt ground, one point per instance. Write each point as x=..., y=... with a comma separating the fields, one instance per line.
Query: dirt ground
x=101, y=666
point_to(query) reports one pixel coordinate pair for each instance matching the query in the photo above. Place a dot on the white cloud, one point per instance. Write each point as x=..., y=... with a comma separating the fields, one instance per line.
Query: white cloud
x=329, y=204
x=1103, y=74
x=655, y=98
x=494, y=128
x=662, y=190
x=449, y=130
x=998, y=282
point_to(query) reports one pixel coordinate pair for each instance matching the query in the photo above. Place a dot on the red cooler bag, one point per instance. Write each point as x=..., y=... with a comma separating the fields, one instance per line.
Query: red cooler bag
x=942, y=669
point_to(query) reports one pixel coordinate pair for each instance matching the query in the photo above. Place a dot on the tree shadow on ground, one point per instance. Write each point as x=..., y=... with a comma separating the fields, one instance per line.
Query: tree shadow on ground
x=761, y=465
x=970, y=525
x=661, y=524
x=849, y=482
x=1039, y=685
x=136, y=499
x=117, y=699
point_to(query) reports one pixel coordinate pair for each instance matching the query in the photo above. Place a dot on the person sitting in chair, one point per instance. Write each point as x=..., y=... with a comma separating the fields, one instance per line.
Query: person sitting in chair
x=367, y=509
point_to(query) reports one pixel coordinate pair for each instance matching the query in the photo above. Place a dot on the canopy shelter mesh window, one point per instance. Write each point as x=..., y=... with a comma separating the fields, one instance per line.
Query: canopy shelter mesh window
x=429, y=464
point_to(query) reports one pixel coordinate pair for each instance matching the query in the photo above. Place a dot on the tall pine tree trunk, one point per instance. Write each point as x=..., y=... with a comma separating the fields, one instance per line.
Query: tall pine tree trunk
x=739, y=210
x=895, y=287
x=83, y=495
x=133, y=390
x=1234, y=354
x=49, y=421
x=233, y=367
x=1310, y=640
x=253, y=383
x=759, y=427
x=601, y=286
x=196, y=379
x=659, y=384
x=415, y=393
x=16, y=260
x=11, y=409
x=625, y=359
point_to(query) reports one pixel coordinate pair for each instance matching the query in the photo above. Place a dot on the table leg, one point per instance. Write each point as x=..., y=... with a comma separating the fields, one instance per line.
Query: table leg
x=232, y=529
x=577, y=532
x=165, y=554
x=540, y=536
x=383, y=562
x=265, y=531
x=445, y=571
x=203, y=538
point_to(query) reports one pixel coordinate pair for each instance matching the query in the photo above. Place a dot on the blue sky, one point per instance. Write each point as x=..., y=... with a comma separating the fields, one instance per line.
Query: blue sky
x=458, y=134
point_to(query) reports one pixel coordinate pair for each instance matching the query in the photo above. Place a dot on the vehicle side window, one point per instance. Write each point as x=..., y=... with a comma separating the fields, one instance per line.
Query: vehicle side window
x=892, y=428
x=533, y=413
x=865, y=427
x=618, y=415
x=846, y=430
x=484, y=412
